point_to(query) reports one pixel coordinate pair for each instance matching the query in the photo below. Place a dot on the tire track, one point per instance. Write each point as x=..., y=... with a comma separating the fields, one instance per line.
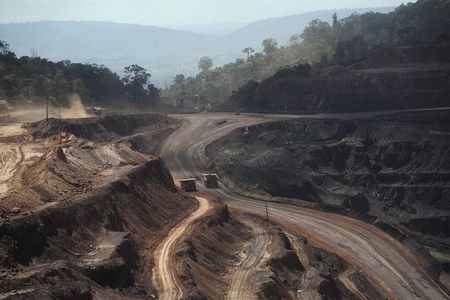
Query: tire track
x=241, y=287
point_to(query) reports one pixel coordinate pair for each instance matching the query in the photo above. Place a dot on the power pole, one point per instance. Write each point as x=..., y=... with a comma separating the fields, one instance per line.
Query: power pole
x=267, y=211
x=46, y=107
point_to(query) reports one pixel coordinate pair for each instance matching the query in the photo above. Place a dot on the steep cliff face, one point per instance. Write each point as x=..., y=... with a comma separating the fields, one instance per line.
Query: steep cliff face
x=394, y=167
x=399, y=78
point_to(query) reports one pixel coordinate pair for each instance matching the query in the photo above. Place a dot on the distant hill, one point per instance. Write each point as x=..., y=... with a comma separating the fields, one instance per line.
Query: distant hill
x=209, y=29
x=283, y=28
x=165, y=52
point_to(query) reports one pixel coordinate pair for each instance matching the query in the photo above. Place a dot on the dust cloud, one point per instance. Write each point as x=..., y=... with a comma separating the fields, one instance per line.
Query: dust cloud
x=76, y=108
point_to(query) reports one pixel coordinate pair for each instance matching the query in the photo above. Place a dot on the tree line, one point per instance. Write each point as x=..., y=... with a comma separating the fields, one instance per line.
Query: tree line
x=342, y=41
x=28, y=80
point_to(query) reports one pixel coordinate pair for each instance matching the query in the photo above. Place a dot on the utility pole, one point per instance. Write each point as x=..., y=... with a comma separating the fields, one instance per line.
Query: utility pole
x=267, y=211
x=46, y=106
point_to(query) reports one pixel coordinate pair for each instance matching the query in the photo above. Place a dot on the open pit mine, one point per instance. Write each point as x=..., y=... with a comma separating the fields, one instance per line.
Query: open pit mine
x=225, y=206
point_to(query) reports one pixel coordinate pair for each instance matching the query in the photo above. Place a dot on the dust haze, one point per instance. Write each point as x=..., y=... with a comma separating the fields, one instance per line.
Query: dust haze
x=76, y=108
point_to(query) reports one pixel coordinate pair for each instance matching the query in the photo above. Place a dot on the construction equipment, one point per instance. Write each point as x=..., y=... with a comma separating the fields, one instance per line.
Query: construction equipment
x=211, y=181
x=188, y=185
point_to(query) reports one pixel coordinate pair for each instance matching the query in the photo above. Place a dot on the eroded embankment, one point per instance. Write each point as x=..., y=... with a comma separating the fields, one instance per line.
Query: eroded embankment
x=94, y=243
x=229, y=255
x=82, y=211
x=55, y=160
x=393, y=168
x=207, y=251
x=144, y=131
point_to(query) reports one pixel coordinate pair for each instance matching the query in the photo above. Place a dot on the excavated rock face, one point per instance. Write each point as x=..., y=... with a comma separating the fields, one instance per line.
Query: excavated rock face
x=395, y=167
x=399, y=78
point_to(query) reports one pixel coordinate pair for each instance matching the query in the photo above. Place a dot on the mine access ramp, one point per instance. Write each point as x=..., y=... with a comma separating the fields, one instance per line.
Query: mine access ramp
x=211, y=181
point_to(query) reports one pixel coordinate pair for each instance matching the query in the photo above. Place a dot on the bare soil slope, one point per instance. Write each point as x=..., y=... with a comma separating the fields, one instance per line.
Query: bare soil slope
x=81, y=218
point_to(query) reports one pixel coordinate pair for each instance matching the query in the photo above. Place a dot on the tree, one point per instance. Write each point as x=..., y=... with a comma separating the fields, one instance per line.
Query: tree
x=4, y=48
x=205, y=63
x=336, y=24
x=248, y=51
x=295, y=39
x=179, y=86
x=270, y=45
x=136, y=75
x=317, y=30
x=179, y=79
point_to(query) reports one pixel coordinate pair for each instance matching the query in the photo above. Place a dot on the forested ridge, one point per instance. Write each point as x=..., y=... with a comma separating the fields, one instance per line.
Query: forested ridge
x=322, y=43
x=28, y=80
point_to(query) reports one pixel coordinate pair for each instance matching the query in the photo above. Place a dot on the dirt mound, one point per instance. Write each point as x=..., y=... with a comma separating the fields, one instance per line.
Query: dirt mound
x=63, y=172
x=84, y=245
x=88, y=128
x=107, y=128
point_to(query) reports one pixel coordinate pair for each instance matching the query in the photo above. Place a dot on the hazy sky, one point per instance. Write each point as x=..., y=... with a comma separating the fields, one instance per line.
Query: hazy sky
x=164, y=12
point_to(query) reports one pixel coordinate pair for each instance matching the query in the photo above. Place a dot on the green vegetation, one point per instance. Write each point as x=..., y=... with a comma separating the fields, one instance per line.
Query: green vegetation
x=29, y=80
x=349, y=39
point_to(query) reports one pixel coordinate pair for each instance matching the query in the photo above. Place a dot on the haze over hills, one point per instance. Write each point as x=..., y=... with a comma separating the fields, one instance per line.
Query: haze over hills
x=283, y=28
x=165, y=52
x=209, y=29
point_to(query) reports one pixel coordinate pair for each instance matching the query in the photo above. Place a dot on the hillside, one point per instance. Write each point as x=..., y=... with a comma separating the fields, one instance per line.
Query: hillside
x=364, y=62
x=165, y=52
x=283, y=28
x=397, y=78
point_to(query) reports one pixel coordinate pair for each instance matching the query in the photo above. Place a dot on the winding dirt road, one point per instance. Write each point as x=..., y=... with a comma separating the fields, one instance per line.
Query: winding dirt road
x=385, y=261
x=163, y=276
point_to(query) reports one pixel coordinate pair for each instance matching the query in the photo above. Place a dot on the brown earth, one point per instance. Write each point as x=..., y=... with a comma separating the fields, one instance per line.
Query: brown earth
x=207, y=252
x=398, y=269
x=81, y=214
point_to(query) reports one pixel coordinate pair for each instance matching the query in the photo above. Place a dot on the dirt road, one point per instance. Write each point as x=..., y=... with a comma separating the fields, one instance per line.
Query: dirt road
x=164, y=278
x=10, y=157
x=382, y=258
x=241, y=286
